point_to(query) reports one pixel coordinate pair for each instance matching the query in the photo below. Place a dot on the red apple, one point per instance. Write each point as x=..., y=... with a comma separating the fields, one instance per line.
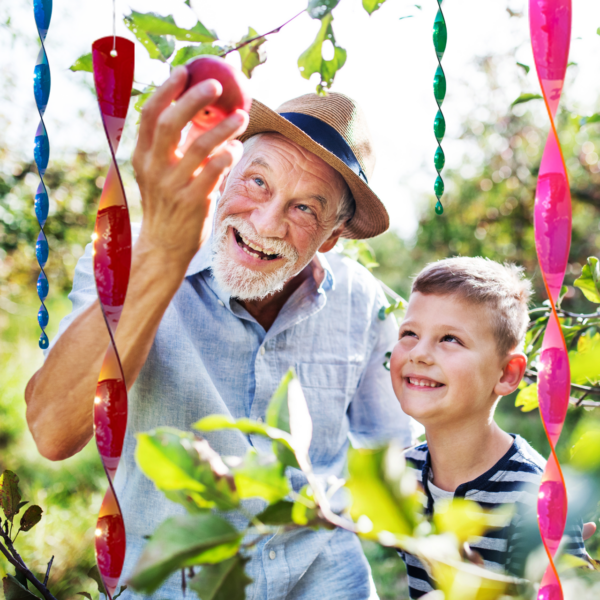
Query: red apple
x=234, y=96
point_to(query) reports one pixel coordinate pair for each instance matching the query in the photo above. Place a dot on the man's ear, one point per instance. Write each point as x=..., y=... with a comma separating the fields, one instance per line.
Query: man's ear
x=332, y=240
x=514, y=369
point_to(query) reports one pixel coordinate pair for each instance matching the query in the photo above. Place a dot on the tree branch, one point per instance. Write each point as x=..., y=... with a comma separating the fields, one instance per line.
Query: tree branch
x=258, y=37
x=17, y=562
x=588, y=390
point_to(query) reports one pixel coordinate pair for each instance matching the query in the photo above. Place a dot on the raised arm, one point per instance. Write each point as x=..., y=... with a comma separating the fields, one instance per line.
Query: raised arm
x=176, y=204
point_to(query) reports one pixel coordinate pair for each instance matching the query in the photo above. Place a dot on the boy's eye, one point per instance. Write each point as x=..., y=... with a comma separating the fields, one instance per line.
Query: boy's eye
x=406, y=333
x=450, y=338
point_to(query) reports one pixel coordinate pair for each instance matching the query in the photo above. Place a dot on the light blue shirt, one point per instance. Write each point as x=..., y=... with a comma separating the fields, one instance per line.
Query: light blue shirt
x=211, y=356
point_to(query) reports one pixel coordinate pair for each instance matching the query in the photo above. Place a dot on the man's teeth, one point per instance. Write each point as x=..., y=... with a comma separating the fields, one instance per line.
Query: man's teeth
x=255, y=247
x=423, y=382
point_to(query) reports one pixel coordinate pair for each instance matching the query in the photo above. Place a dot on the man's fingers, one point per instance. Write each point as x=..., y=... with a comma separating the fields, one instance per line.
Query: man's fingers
x=220, y=163
x=588, y=530
x=160, y=100
x=174, y=118
x=233, y=126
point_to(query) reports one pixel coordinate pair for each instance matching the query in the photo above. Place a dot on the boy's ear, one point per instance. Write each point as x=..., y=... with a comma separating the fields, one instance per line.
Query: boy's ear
x=514, y=369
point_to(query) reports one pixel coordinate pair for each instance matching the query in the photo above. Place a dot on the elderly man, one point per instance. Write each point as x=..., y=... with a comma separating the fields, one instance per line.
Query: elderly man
x=211, y=325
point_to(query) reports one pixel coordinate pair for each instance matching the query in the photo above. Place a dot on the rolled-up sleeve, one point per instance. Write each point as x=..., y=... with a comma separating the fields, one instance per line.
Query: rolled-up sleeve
x=81, y=296
x=375, y=413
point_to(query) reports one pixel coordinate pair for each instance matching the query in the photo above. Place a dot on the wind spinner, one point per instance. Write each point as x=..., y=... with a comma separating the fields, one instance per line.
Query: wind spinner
x=42, y=11
x=440, y=38
x=113, y=62
x=550, y=26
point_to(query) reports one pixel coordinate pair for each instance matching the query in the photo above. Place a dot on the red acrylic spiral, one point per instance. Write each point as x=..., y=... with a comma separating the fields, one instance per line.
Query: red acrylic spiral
x=113, y=60
x=550, y=26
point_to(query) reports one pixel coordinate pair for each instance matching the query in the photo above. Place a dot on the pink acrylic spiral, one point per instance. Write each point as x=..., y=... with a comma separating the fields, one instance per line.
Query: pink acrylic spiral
x=550, y=26
x=113, y=60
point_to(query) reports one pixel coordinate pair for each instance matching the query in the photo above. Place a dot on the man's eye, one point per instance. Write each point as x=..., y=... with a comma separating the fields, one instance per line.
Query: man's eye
x=259, y=181
x=304, y=208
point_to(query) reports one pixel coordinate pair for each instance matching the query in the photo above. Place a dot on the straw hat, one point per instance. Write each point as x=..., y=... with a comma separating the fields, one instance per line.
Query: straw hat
x=334, y=128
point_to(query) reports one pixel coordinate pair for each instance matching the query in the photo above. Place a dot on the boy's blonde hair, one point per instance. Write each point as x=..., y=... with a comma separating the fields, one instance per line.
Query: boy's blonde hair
x=503, y=288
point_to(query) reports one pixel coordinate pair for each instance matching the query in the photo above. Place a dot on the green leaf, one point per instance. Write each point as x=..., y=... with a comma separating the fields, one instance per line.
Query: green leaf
x=252, y=54
x=85, y=595
x=311, y=60
x=31, y=517
x=527, y=398
x=466, y=519
x=585, y=453
x=154, y=24
x=261, y=476
x=94, y=573
x=186, y=53
x=525, y=98
x=22, y=504
x=121, y=590
x=10, y=496
x=595, y=118
x=526, y=68
x=279, y=513
x=180, y=542
x=223, y=581
x=83, y=63
x=384, y=494
x=159, y=46
x=589, y=281
x=318, y=9
x=13, y=590
x=372, y=5
x=360, y=251
x=176, y=460
x=144, y=96
x=305, y=508
x=289, y=396
x=585, y=361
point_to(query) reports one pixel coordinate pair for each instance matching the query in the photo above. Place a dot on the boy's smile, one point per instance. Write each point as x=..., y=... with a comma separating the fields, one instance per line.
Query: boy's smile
x=446, y=367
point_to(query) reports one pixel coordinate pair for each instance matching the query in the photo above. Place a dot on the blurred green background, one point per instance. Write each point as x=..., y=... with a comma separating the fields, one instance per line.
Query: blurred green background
x=488, y=212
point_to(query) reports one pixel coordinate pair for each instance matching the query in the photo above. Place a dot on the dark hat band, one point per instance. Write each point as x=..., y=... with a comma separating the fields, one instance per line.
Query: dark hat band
x=328, y=137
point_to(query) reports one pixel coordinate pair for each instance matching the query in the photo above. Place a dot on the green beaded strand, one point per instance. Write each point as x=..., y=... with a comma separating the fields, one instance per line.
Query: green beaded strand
x=440, y=37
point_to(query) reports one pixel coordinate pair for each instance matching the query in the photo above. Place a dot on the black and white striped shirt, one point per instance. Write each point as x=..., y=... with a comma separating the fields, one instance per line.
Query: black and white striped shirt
x=514, y=479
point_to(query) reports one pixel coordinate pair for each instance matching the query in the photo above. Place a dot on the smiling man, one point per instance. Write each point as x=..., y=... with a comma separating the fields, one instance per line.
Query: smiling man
x=219, y=308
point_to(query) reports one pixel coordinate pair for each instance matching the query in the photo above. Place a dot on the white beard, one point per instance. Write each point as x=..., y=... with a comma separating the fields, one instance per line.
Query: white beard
x=245, y=283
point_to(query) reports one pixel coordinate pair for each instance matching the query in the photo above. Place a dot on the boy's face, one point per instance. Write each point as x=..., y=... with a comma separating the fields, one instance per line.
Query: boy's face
x=445, y=366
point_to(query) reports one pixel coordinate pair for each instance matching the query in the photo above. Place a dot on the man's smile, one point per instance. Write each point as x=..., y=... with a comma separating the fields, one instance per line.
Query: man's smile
x=253, y=249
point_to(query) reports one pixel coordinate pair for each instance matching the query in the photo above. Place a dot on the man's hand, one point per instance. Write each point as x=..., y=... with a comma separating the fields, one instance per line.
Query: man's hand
x=177, y=192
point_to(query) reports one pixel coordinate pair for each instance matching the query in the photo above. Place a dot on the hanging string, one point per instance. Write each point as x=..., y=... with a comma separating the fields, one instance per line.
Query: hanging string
x=440, y=37
x=113, y=52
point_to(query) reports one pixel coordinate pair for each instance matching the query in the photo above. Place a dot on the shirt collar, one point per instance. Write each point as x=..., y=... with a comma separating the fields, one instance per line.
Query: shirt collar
x=321, y=270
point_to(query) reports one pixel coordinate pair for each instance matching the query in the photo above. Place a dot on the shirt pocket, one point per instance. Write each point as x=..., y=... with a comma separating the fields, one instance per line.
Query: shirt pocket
x=328, y=389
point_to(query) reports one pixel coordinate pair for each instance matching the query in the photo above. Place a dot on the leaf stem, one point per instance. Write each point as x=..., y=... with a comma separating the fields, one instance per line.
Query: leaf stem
x=48, y=570
x=258, y=37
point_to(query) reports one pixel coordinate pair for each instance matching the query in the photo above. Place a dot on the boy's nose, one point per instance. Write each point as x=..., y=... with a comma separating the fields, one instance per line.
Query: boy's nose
x=421, y=353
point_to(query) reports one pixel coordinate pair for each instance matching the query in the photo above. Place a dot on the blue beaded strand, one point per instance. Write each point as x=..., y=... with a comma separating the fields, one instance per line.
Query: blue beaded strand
x=42, y=10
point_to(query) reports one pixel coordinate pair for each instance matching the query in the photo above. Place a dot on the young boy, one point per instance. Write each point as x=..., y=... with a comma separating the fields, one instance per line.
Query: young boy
x=459, y=350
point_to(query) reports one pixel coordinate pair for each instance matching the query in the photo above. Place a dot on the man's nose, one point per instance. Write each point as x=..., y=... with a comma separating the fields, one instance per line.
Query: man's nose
x=269, y=218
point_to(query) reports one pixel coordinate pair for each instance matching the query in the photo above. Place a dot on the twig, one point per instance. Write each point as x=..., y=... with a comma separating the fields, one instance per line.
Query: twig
x=17, y=562
x=48, y=570
x=183, y=581
x=258, y=37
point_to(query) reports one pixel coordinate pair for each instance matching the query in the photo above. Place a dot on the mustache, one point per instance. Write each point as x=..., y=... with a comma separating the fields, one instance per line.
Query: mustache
x=284, y=249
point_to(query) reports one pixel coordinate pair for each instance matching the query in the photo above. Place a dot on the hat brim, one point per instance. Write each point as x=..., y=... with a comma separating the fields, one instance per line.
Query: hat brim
x=371, y=217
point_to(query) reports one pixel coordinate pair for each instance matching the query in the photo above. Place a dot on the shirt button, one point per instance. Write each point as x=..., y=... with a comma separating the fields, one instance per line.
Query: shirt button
x=221, y=303
x=272, y=555
x=259, y=420
x=262, y=350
